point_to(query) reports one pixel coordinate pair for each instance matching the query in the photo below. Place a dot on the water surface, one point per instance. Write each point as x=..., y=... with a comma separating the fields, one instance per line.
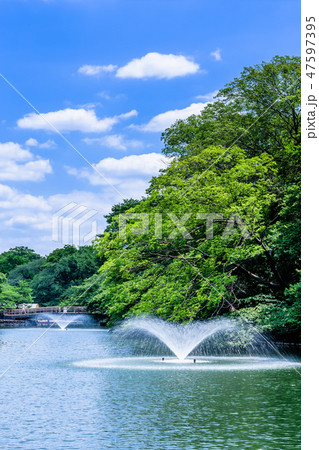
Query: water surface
x=51, y=400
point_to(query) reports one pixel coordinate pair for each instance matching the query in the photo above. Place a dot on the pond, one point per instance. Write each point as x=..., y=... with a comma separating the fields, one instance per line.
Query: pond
x=78, y=389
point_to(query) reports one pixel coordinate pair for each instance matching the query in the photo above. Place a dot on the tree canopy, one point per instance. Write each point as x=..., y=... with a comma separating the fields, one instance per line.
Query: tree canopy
x=16, y=256
x=63, y=269
x=47, y=280
x=239, y=160
x=259, y=111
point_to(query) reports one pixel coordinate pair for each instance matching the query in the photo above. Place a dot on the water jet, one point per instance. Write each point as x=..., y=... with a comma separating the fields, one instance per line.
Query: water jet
x=181, y=339
x=61, y=320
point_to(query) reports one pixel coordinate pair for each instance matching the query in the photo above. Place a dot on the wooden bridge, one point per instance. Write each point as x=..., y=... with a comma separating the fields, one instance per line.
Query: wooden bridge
x=26, y=313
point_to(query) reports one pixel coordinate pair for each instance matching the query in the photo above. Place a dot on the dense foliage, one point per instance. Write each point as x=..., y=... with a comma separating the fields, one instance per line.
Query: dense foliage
x=250, y=266
x=10, y=296
x=219, y=229
x=49, y=280
x=16, y=256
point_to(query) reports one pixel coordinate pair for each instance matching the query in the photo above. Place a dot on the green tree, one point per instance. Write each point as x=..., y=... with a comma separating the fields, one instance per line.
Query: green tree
x=158, y=276
x=11, y=296
x=117, y=209
x=16, y=256
x=260, y=111
x=24, y=290
x=25, y=272
x=59, y=253
x=63, y=269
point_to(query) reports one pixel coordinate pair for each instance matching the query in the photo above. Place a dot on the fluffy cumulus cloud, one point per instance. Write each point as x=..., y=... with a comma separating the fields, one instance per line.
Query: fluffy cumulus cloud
x=116, y=141
x=71, y=120
x=18, y=164
x=158, y=65
x=31, y=142
x=12, y=199
x=166, y=119
x=126, y=170
x=10, y=151
x=96, y=70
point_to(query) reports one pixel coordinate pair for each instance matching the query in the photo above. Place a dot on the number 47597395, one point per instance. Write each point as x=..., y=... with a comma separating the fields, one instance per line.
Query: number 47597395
x=310, y=50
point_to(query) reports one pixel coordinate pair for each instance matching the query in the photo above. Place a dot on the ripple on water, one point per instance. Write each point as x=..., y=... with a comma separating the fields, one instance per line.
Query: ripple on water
x=205, y=363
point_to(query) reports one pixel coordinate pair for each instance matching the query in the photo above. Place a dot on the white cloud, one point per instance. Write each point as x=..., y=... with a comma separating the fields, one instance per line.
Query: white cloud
x=28, y=219
x=209, y=97
x=116, y=141
x=159, y=66
x=216, y=54
x=47, y=144
x=126, y=169
x=10, y=151
x=166, y=119
x=17, y=164
x=34, y=143
x=12, y=199
x=71, y=120
x=31, y=171
x=127, y=115
x=146, y=164
x=96, y=70
x=90, y=105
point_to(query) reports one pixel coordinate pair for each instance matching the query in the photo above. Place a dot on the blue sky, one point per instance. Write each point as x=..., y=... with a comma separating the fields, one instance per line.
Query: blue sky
x=110, y=75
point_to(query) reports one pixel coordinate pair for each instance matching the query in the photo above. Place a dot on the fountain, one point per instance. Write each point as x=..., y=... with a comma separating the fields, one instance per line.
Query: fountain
x=215, y=345
x=181, y=339
x=62, y=320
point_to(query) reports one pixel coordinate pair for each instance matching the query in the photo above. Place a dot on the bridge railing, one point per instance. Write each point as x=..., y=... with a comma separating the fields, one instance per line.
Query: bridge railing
x=45, y=309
